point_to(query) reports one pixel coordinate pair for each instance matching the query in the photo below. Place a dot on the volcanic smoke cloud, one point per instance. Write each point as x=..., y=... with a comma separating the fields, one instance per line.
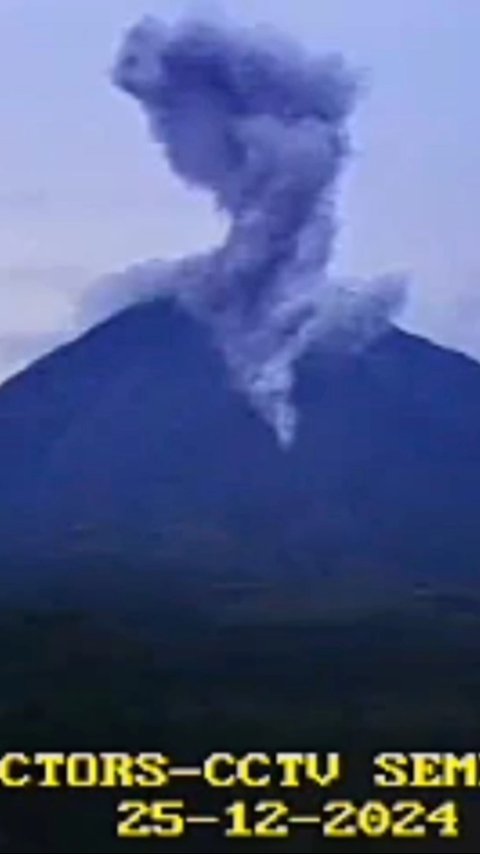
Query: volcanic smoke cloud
x=262, y=126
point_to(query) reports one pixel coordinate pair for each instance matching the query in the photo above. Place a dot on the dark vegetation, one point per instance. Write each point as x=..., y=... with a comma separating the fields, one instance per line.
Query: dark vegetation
x=177, y=680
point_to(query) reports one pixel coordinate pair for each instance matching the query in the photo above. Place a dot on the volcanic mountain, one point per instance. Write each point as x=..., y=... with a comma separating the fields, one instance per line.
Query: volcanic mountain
x=130, y=447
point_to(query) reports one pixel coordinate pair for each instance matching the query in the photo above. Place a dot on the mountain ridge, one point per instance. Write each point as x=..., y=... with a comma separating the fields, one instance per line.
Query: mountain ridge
x=132, y=441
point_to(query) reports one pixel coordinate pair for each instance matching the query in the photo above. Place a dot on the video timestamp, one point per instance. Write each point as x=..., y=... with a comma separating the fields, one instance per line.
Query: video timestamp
x=276, y=820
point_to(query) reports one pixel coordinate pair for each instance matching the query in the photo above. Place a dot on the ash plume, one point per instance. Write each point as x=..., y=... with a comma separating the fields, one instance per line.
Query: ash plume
x=261, y=125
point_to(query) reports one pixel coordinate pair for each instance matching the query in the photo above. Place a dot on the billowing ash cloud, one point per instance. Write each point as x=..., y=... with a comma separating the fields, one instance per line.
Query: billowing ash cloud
x=262, y=126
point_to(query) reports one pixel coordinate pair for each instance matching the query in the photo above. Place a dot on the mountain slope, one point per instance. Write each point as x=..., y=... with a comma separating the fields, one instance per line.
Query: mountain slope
x=131, y=444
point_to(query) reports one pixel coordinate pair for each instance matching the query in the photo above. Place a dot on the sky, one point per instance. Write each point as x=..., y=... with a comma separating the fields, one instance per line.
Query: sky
x=84, y=192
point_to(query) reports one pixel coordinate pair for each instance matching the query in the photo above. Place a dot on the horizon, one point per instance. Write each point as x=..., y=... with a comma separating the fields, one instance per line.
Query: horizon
x=91, y=196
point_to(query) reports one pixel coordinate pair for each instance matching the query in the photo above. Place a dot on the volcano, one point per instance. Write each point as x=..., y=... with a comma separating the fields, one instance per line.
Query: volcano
x=130, y=447
x=242, y=417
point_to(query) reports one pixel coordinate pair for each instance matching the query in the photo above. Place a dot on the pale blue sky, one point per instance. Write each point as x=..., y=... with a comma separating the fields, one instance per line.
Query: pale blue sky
x=83, y=191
